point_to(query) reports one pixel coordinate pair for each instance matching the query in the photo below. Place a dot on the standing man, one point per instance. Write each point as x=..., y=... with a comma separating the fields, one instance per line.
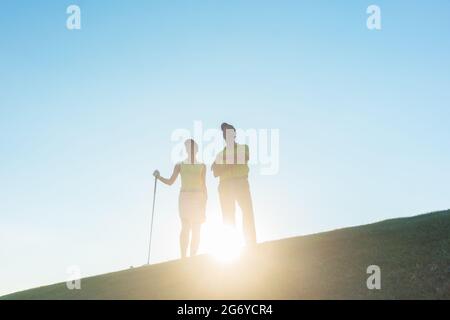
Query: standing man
x=231, y=166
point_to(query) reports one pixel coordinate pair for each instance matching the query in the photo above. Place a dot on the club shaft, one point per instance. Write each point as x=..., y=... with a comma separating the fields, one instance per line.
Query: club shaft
x=151, y=222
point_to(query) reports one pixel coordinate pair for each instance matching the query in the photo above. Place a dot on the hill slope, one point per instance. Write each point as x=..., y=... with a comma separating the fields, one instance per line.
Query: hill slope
x=413, y=254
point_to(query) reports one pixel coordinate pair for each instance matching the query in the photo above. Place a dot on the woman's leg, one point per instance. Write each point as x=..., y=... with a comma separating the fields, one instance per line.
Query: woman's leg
x=195, y=240
x=184, y=236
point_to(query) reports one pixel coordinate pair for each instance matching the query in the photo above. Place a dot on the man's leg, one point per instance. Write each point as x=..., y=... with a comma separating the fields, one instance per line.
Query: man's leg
x=244, y=200
x=227, y=203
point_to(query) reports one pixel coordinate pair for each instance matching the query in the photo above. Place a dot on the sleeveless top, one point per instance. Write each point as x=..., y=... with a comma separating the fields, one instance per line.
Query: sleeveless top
x=192, y=177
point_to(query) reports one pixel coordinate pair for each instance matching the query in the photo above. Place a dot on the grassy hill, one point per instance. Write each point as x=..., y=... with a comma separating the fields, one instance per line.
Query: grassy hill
x=413, y=254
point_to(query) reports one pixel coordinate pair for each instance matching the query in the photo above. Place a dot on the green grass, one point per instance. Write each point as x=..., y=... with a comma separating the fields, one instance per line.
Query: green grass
x=413, y=254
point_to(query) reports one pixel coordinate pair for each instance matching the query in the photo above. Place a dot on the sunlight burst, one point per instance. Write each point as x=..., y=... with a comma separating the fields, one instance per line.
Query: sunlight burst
x=224, y=243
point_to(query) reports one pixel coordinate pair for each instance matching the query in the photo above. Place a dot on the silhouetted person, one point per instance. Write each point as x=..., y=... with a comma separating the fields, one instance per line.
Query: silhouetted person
x=231, y=166
x=192, y=199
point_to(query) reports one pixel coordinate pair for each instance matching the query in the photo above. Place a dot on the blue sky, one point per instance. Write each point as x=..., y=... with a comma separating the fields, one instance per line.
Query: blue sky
x=86, y=116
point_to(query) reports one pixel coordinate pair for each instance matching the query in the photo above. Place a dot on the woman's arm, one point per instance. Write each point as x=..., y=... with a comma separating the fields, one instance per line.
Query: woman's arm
x=171, y=180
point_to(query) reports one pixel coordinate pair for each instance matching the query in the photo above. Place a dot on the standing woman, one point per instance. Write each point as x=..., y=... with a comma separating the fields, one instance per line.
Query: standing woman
x=192, y=199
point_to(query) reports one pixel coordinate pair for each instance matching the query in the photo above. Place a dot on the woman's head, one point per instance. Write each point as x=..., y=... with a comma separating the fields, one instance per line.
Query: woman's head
x=191, y=147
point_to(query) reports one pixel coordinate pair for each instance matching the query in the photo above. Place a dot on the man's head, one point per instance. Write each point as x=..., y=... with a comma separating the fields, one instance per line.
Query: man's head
x=229, y=132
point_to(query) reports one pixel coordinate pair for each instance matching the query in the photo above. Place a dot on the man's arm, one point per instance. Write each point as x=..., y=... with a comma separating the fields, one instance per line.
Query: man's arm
x=218, y=169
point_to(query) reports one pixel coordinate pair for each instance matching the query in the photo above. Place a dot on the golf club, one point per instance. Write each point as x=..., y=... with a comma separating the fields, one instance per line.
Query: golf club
x=151, y=222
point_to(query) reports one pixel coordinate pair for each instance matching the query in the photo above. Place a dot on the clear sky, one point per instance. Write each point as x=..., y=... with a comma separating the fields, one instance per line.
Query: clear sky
x=87, y=115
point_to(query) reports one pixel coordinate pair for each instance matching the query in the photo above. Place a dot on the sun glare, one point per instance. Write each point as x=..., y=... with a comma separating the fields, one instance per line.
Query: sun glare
x=224, y=243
